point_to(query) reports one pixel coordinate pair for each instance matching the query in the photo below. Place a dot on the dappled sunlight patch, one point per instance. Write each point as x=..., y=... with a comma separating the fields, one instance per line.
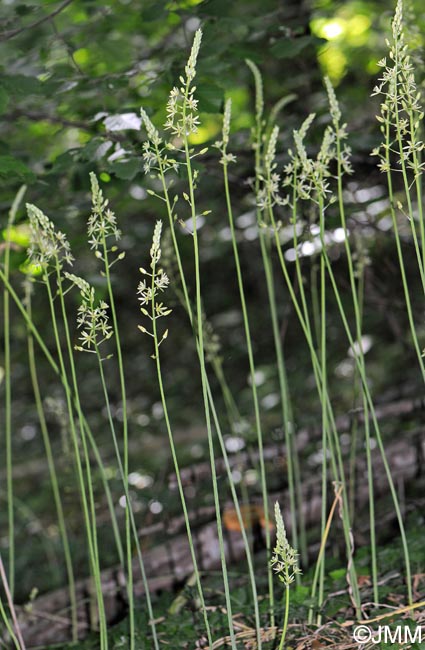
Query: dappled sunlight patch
x=210, y=129
x=349, y=28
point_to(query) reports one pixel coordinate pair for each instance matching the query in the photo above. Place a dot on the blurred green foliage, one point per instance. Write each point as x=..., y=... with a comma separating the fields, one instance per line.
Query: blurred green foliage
x=74, y=74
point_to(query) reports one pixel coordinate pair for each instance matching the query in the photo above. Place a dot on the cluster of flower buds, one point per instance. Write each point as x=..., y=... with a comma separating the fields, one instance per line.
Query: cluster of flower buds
x=102, y=223
x=47, y=245
x=285, y=558
x=148, y=290
x=92, y=318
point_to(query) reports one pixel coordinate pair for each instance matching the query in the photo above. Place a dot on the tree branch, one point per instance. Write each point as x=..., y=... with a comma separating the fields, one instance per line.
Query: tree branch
x=14, y=32
x=37, y=116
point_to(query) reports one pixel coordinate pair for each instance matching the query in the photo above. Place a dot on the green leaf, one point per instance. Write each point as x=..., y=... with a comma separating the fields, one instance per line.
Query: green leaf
x=96, y=149
x=12, y=167
x=210, y=98
x=337, y=574
x=64, y=161
x=126, y=170
x=287, y=48
x=20, y=84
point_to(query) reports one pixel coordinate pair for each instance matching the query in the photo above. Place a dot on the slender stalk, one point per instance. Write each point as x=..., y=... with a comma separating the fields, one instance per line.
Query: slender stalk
x=52, y=473
x=358, y=350
x=188, y=307
x=154, y=315
x=8, y=395
x=128, y=500
x=125, y=444
x=285, y=618
x=294, y=479
x=336, y=458
x=315, y=300
x=8, y=626
x=232, y=407
x=9, y=598
x=303, y=315
x=43, y=347
x=63, y=378
x=248, y=341
x=50, y=250
x=325, y=426
x=294, y=474
x=88, y=504
x=204, y=384
x=375, y=423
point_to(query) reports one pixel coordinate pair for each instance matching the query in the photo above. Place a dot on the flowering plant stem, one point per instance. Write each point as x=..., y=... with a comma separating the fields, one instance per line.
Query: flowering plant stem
x=359, y=347
x=36, y=334
x=124, y=480
x=149, y=296
x=15, y=630
x=294, y=478
x=8, y=395
x=332, y=437
x=285, y=564
x=188, y=307
x=88, y=504
x=52, y=470
x=285, y=618
x=66, y=386
x=130, y=594
x=204, y=380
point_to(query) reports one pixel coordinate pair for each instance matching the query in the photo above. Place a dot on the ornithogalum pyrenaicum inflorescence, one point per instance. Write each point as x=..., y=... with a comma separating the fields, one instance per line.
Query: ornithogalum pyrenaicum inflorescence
x=182, y=121
x=311, y=176
x=285, y=558
x=148, y=290
x=221, y=145
x=47, y=245
x=268, y=193
x=308, y=177
x=182, y=107
x=155, y=156
x=284, y=563
x=102, y=224
x=92, y=318
x=401, y=109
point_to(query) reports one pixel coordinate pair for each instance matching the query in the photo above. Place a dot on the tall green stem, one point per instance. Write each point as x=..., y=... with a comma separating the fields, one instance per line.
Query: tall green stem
x=190, y=312
x=8, y=394
x=251, y=369
x=285, y=618
x=52, y=473
x=204, y=380
x=174, y=455
x=125, y=444
x=90, y=522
